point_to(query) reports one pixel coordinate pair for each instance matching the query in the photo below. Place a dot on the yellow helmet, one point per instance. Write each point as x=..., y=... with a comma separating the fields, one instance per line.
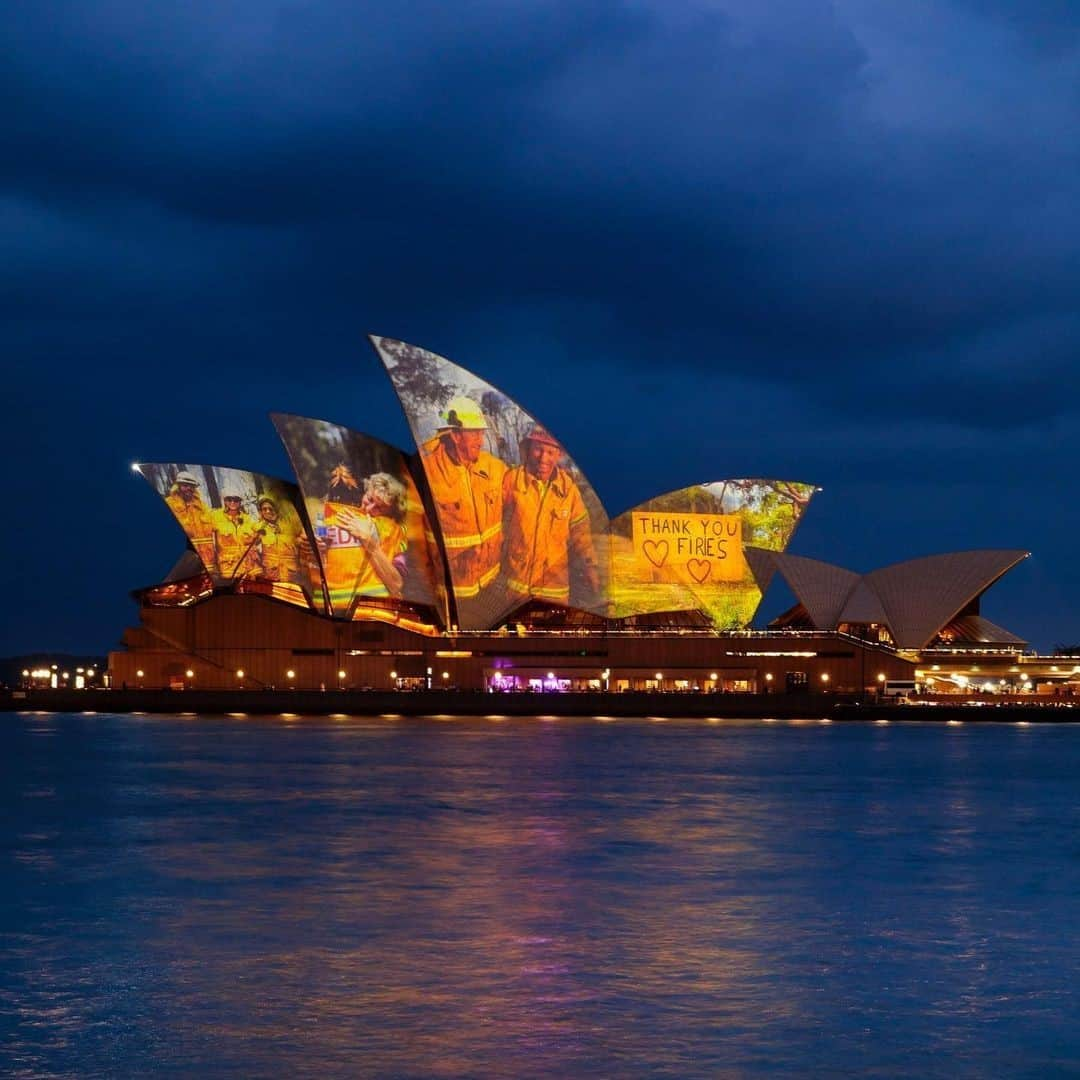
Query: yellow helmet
x=463, y=414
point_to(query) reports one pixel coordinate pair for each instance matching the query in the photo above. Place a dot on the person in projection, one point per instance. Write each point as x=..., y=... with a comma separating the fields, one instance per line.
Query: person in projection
x=281, y=543
x=546, y=525
x=466, y=484
x=235, y=540
x=188, y=508
x=363, y=537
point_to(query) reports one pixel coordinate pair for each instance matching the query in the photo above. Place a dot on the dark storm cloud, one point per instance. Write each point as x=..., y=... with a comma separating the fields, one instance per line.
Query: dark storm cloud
x=813, y=206
x=769, y=184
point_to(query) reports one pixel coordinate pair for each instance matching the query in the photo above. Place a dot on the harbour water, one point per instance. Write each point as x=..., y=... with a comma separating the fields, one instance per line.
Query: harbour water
x=288, y=896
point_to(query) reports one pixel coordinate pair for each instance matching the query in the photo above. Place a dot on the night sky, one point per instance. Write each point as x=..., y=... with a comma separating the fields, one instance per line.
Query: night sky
x=830, y=242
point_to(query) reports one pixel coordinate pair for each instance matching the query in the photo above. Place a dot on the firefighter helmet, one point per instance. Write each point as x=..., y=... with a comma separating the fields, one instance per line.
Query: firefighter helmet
x=463, y=414
x=539, y=434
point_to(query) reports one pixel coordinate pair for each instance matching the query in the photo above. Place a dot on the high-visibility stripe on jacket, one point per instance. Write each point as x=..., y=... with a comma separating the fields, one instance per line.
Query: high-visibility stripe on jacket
x=469, y=505
x=546, y=525
x=348, y=567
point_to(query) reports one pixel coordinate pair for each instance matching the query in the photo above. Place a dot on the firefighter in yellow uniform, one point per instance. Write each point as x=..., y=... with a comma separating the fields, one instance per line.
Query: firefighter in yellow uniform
x=364, y=547
x=547, y=527
x=235, y=536
x=466, y=484
x=188, y=508
x=280, y=543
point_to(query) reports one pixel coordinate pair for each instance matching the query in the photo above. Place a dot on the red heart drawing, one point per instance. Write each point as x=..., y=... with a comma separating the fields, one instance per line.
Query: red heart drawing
x=656, y=551
x=699, y=569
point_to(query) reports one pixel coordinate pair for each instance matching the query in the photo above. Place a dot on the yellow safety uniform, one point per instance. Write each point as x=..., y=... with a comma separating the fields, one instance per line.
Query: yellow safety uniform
x=195, y=520
x=546, y=525
x=234, y=542
x=280, y=550
x=469, y=505
x=348, y=567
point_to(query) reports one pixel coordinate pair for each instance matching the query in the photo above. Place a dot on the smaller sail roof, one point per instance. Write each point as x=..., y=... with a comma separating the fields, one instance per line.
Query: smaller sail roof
x=921, y=595
x=916, y=599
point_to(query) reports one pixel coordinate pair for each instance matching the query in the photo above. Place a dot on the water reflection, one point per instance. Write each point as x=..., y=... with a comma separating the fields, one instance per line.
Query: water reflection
x=455, y=897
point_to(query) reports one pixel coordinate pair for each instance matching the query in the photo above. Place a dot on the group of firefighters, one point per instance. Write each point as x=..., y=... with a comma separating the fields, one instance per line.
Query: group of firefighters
x=231, y=543
x=509, y=532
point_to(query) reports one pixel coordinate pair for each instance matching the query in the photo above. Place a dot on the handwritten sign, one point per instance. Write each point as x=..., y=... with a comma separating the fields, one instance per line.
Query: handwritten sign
x=688, y=549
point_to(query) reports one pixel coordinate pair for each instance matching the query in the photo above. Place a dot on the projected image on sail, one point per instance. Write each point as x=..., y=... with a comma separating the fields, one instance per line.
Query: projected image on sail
x=518, y=519
x=246, y=528
x=372, y=534
x=684, y=551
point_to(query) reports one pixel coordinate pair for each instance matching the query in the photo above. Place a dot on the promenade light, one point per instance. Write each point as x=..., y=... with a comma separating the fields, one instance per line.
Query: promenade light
x=393, y=675
x=659, y=676
x=189, y=673
x=140, y=673
x=239, y=673
x=824, y=676
x=881, y=676
x=290, y=674
x=768, y=676
x=446, y=674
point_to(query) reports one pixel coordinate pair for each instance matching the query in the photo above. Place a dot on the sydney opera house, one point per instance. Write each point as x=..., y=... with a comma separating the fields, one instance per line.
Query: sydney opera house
x=486, y=560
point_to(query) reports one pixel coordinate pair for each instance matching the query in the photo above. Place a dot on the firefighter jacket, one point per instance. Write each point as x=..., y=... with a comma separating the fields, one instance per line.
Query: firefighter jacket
x=546, y=527
x=348, y=567
x=235, y=545
x=194, y=519
x=469, y=505
x=279, y=544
